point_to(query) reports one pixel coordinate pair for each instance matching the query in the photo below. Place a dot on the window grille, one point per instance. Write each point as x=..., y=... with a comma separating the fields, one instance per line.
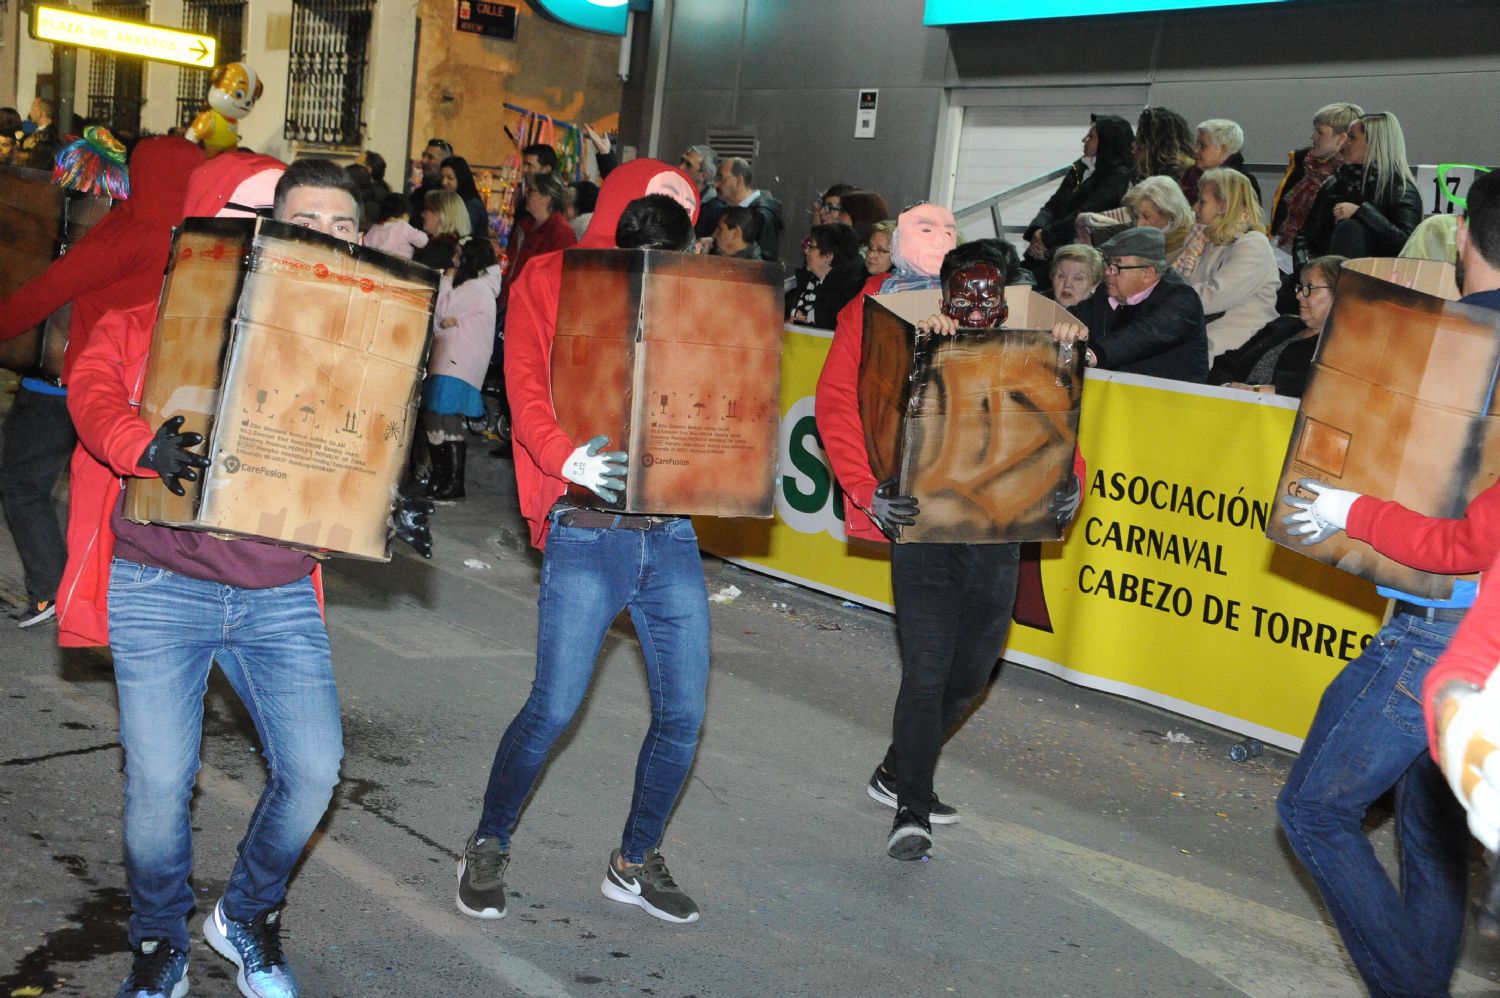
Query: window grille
x=225, y=21
x=325, y=97
x=116, y=83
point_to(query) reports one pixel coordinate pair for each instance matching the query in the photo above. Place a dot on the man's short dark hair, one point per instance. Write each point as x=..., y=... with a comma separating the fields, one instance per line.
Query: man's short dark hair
x=654, y=222
x=316, y=173
x=442, y=144
x=545, y=154
x=837, y=240
x=998, y=252
x=1482, y=216
x=745, y=220
x=740, y=168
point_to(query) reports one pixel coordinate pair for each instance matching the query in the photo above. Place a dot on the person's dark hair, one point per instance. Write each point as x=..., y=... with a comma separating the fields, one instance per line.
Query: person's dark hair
x=442, y=144
x=654, y=222
x=746, y=220
x=838, y=240
x=865, y=210
x=994, y=251
x=740, y=168
x=460, y=167
x=1482, y=216
x=315, y=173
x=839, y=190
x=1168, y=142
x=1115, y=140
x=474, y=258
x=545, y=154
x=375, y=163
x=394, y=206
x=361, y=176
x=553, y=188
x=585, y=197
x=10, y=121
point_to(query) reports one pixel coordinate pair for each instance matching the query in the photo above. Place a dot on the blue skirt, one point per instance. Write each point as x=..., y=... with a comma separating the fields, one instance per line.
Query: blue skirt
x=450, y=396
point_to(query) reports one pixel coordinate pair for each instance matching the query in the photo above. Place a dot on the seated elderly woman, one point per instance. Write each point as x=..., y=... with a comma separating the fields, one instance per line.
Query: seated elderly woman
x=1144, y=320
x=1075, y=272
x=877, y=248
x=1228, y=260
x=1219, y=143
x=836, y=273
x=1156, y=203
x=1276, y=360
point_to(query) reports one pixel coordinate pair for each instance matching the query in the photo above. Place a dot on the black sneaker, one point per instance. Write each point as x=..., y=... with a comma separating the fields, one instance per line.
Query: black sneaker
x=157, y=971
x=38, y=613
x=481, y=878
x=650, y=886
x=882, y=787
x=910, y=838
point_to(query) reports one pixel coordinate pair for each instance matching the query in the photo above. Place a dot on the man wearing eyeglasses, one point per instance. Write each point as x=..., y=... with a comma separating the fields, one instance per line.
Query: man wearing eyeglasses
x=702, y=164
x=1368, y=736
x=1144, y=319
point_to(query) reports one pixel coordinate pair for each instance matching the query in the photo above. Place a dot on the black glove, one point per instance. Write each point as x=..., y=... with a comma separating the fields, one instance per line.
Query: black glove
x=892, y=511
x=169, y=457
x=409, y=518
x=1065, y=504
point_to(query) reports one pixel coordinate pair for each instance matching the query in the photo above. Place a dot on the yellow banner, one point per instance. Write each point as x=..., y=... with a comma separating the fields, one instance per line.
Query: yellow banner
x=1166, y=589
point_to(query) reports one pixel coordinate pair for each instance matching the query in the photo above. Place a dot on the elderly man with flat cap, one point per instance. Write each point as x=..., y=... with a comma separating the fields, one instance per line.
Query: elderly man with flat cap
x=1144, y=319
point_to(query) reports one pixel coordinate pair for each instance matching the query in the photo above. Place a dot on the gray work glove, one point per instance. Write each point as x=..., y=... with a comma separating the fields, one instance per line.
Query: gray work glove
x=892, y=511
x=167, y=454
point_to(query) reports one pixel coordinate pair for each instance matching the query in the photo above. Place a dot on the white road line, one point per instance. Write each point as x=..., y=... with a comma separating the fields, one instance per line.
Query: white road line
x=481, y=947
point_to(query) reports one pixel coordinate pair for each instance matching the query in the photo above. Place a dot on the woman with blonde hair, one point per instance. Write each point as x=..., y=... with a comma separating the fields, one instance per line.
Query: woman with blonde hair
x=445, y=219
x=1370, y=205
x=1157, y=202
x=1228, y=260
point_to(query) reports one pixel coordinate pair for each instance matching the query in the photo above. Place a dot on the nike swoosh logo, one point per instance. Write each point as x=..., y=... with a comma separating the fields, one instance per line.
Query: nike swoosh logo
x=219, y=922
x=633, y=886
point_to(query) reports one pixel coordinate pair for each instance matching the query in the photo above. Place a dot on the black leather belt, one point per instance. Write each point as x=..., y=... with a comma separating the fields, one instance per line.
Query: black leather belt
x=1431, y=612
x=594, y=518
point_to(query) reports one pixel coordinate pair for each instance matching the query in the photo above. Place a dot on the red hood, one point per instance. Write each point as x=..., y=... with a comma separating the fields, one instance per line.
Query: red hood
x=624, y=184
x=212, y=184
x=159, y=169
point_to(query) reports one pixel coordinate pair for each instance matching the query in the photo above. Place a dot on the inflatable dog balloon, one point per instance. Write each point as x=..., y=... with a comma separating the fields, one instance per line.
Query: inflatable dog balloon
x=232, y=94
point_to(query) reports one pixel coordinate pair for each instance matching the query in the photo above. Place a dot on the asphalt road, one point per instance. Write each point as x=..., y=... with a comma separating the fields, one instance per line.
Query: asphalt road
x=1094, y=857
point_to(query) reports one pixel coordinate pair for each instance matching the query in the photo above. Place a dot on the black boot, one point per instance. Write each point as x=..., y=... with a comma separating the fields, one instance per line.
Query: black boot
x=455, y=452
x=440, y=459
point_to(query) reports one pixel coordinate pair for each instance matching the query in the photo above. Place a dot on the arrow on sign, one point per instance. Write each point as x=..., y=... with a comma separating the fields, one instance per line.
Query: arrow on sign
x=201, y=50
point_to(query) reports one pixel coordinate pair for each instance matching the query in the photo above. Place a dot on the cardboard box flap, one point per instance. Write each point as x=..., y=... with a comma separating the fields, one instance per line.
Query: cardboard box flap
x=1411, y=343
x=1431, y=277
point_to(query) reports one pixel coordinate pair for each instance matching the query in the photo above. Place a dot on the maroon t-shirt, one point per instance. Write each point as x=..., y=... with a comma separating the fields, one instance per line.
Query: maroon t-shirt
x=244, y=563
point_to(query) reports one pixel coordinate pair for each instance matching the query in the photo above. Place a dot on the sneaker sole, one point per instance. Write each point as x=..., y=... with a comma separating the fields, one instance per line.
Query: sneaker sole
x=489, y=914
x=934, y=819
x=616, y=893
x=909, y=844
x=221, y=946
x=42, y=618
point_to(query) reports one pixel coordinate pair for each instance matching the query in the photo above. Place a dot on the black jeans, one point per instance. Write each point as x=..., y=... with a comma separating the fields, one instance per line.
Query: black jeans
x=37, y=442
x=953, y=607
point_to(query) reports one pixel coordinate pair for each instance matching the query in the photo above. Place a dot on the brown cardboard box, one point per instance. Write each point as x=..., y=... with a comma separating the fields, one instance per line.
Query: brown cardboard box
x=980, y=427
x=38, y=221
x=1399, y=406
x=677, y=358
x=299, y=358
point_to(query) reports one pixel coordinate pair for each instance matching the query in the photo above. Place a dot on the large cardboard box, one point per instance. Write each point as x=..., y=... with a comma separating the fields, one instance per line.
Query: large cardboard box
x=981, y=426
x=1400, y=405
x=677, y=358
x=38, y=222
x=299, y=358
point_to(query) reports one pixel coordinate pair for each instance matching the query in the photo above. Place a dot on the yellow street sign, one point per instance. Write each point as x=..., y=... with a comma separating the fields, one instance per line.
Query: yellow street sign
x=109, y=34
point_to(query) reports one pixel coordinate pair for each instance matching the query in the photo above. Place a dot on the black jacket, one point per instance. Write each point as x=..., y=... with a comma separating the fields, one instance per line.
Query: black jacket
x=1295, y=168
x=1099, y=191
x=832, y=293
x=1292, y=367
x=768, y=210
x=1164, y=336
x=1390, y=222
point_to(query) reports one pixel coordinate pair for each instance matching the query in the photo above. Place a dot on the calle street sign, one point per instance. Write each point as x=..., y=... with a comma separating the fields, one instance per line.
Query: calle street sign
x=62, y=26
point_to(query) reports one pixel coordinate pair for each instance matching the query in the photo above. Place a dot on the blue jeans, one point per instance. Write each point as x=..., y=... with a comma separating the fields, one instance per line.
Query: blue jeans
x=588, y=576
x=165, y=632
x=1367, y=737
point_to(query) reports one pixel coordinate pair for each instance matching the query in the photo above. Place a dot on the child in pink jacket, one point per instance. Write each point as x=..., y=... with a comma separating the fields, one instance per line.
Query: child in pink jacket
x=394, y=234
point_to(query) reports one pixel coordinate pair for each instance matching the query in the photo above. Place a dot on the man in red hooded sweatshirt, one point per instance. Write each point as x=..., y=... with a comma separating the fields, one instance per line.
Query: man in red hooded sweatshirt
x=171, y=603
x=126, y=250
x=595, y=565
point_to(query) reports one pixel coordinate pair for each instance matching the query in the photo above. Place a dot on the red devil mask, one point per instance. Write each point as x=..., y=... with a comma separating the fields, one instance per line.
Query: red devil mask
x=974, y=296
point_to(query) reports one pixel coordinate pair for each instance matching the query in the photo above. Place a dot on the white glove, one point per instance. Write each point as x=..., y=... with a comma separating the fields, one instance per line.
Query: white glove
x=601, y=472
x=1320, y=518
x=1468, y=723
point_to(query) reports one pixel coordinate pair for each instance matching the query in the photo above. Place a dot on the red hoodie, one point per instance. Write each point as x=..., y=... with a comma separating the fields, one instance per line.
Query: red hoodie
x=104, y=399
x=530, y=328
x=120, y=259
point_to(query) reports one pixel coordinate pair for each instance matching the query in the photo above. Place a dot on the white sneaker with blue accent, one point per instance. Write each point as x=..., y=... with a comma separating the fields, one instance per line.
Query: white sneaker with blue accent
x=255, y=948
x=157, y=971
